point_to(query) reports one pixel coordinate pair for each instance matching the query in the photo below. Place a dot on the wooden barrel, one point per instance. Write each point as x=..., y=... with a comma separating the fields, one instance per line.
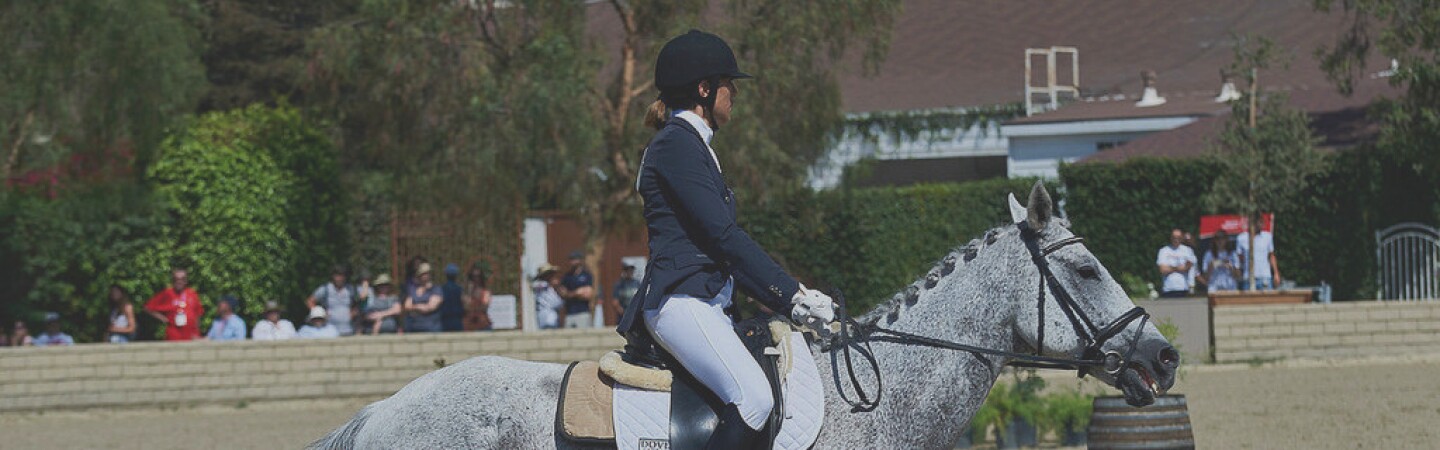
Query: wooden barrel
x=1162, y=425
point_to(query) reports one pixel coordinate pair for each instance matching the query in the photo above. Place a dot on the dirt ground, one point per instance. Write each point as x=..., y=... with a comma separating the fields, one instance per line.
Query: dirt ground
x=1387, y=403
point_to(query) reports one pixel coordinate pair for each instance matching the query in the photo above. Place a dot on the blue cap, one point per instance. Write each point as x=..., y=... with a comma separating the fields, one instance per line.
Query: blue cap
x=452, y=269
x=232, y=300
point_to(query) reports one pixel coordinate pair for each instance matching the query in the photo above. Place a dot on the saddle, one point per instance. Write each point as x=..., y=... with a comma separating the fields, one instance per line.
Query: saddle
x=640, y=398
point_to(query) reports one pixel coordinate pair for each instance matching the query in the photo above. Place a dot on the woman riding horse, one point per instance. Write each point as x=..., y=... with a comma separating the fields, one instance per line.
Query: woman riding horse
x=698, y=255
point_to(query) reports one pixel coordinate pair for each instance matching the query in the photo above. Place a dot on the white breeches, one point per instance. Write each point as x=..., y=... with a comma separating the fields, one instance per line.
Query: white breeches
x=697, y=332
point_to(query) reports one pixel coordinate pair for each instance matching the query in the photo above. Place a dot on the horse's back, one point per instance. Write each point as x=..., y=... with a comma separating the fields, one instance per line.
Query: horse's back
x=482, y=402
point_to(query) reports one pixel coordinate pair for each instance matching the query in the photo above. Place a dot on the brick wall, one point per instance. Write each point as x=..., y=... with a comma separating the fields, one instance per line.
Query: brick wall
x=159, y=373
x=1337, y=330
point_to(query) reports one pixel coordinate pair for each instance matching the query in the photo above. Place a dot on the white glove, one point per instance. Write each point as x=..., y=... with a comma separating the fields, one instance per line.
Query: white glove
x=812, y=308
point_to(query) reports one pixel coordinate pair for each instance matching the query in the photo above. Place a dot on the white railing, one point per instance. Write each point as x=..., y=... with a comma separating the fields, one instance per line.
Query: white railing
x=1408, y=257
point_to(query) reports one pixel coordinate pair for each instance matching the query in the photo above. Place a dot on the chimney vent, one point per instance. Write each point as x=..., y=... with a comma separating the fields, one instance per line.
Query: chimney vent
x=1228, y=92
x=1150, y=97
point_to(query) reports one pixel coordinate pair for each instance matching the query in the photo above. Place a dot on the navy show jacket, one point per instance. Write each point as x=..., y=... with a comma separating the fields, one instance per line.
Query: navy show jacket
x=695, y=244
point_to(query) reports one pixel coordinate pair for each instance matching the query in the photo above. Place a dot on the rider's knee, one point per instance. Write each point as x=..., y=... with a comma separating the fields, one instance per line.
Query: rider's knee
x=755, y=409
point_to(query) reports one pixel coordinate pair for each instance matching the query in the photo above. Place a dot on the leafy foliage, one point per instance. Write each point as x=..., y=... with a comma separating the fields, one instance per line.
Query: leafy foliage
x=62, y=254
x=901, y=126
x=1126, y=211
x=871, y=242
x=1407, y=33
x=87, y=76
x=1325, y=234
x=256, y=210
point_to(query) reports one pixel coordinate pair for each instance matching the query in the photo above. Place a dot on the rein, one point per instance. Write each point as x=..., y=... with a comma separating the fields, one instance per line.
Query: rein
x=855, y=337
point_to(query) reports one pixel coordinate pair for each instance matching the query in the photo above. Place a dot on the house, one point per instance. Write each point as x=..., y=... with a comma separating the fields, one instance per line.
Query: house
x=957, y=57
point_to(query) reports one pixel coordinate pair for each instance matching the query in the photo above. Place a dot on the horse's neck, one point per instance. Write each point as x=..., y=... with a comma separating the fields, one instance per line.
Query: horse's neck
x=929, y=393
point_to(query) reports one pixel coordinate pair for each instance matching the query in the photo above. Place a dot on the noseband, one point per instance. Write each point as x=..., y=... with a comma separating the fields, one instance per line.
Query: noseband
x=1090, y=337
x=856, y=337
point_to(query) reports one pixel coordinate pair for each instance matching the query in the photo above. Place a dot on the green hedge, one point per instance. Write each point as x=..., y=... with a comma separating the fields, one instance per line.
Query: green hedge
x=871, y=242
x=258, y=206
x=1126, y=210
x=61, y=254
x=249, y=200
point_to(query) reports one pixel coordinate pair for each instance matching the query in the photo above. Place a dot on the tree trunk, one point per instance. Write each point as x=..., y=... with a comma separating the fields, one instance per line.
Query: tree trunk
x=14, y=157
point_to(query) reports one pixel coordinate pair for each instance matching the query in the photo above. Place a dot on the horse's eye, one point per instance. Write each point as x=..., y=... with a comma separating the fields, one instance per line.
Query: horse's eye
x=1089, y=272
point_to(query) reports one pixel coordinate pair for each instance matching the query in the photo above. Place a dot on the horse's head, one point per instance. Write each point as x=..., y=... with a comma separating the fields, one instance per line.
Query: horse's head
x=1081, y=305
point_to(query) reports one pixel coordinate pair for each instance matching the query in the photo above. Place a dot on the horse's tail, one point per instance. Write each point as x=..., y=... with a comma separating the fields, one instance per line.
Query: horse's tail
x=343, y=438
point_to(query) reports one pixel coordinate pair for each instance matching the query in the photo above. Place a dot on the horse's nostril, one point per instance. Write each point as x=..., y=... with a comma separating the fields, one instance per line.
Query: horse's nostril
x=1169, y=357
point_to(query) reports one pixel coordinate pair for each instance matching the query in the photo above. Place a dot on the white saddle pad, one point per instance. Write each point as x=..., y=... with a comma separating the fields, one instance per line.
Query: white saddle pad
x=642, y=418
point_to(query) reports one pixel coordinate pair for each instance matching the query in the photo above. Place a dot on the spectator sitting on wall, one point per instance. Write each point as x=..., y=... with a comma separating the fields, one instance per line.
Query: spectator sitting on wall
x=1222, y=265
x=1267, y=269
x=178, y=308
x=339, y=300
x=52, y=335
x=452, y=305
x=626, y=288
x=271, y=327
x=547, y=301
x=227, y=326
x=20, y=335
x=382, y=313
x=317, y=327
x=422, y=303
x=477, y=299
x=122, y=317
x=578, y=290
x=1174, y=262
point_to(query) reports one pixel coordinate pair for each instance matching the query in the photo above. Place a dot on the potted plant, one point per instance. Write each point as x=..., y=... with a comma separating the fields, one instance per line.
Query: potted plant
x=983, y=420
x=1017, y=408
x=1067, y=413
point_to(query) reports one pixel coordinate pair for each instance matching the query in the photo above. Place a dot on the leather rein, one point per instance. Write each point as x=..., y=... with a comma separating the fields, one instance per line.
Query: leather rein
x=855, y=337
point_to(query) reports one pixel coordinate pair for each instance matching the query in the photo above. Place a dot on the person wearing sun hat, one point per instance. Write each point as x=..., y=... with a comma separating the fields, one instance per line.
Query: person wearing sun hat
x=547, y=300
x=382, y=314
x=271, y=327
x=422, y=303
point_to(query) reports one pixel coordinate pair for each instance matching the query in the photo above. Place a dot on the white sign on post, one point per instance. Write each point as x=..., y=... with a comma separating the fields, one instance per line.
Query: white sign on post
x=502, y=312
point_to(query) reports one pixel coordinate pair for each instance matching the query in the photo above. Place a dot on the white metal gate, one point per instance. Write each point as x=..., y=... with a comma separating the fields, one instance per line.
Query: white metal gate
x=1408, y=255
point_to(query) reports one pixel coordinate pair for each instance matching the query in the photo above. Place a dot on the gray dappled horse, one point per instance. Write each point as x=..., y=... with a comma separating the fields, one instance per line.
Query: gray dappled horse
x=987, y=299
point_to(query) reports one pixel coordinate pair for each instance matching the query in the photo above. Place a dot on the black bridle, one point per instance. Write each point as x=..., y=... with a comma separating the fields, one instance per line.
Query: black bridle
x=856, y=337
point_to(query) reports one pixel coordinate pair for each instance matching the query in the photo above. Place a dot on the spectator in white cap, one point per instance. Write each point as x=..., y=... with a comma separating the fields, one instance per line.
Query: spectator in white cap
x=52, y=335
x=317, y=326
x=271, y=327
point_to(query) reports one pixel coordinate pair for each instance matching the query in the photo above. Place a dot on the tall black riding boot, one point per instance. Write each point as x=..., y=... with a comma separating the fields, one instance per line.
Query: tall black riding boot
x=732, y=433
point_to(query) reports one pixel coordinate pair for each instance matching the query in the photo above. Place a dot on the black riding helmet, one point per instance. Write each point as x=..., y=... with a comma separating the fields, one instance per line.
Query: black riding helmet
x=690, y=59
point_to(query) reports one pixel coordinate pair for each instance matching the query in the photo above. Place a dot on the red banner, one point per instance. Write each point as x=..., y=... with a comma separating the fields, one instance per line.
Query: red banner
x=1233, y=224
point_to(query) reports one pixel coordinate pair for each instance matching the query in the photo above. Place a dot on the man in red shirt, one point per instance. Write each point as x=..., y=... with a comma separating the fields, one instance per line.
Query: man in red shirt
x=178, y=308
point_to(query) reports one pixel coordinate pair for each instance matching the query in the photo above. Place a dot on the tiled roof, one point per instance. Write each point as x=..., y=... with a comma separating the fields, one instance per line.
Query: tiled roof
x=949, y=53
x=1339, y=121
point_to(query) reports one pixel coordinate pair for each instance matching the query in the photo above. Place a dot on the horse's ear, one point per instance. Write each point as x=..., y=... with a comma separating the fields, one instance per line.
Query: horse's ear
x=1017, y=212
x=1041, y=208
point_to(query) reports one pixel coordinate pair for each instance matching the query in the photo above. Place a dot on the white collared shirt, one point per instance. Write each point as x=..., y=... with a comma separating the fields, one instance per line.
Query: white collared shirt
x=705, y=132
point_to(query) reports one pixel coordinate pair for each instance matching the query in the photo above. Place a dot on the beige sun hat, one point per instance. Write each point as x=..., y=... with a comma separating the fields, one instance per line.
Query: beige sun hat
x=424, y=268
x=383, y=279
x=545, y=269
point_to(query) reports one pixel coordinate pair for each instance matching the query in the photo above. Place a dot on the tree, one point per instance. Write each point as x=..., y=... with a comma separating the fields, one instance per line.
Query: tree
x=93, y=77
x=255, y=49
x=519, y=98
x=1267, y=159
x=1407, y=33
